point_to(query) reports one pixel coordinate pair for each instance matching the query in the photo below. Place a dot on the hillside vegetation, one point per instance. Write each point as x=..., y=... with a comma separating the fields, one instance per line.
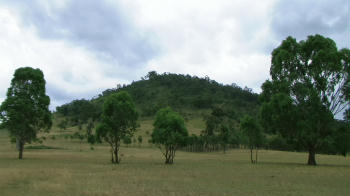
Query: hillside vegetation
x=188, y=95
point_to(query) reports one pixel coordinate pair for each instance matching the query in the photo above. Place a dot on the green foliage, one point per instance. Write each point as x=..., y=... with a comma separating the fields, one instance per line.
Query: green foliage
x=118, y=121
x=253, y=136
x=25, y=110
x=184, y=91
x=309, y=86
x=156, y=91
x=127, y=140
x=89, y=135
x=169, y=133
x=139, y=139
x=63, y=124
x=80, y=111
x=220, y=129
x=342, y=139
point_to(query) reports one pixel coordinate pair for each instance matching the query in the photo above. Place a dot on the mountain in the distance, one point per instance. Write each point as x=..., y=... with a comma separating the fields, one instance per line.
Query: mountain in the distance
x=181, y=92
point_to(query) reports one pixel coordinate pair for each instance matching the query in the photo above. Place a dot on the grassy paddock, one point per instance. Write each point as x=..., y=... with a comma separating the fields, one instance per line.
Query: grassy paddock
x=71, y=168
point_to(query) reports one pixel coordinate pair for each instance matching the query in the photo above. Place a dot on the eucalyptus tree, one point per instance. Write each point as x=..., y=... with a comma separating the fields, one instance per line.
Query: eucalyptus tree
x=169, y=133
x=118, y=121
x=309, y=85
x=25, y=110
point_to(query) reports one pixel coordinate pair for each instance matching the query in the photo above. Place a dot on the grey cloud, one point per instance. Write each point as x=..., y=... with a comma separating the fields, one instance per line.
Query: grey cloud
x=59, y=95
x=98, y=26
x=300, y=18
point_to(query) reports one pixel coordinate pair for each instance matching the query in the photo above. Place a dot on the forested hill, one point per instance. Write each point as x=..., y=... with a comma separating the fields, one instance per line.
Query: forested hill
x=181, y=92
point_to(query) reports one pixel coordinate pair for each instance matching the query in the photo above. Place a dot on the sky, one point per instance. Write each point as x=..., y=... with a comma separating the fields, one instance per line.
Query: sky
x=86, y=46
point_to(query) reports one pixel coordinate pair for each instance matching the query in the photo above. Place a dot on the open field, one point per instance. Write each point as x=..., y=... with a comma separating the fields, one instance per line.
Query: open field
x=74, y=169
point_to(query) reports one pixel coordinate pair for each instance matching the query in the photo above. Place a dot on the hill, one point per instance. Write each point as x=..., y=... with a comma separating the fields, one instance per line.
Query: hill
x=189, y=95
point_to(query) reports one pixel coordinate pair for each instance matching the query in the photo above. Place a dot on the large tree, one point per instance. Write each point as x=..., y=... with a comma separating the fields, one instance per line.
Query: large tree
x=25, y=111
x=119, y=120
x=309, y=86
x=169, y=133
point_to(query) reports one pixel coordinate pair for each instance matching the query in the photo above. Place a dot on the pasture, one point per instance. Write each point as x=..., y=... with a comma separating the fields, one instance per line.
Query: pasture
x=69, y=167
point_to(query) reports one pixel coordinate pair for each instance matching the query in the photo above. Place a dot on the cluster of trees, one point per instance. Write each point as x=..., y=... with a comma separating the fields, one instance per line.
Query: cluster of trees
x=309, y=86
x=219, y=134
x=79, y=112
x=119, y=122
x=223, y=131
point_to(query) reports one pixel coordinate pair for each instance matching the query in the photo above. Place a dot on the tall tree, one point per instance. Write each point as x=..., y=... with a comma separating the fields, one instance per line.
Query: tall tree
x=252, y=135
x=169, y=133
x=309, y=86
x=25, y=111
x=119, y=120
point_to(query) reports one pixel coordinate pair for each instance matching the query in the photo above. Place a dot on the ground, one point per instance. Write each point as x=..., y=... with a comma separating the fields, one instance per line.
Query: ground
x=72, y=168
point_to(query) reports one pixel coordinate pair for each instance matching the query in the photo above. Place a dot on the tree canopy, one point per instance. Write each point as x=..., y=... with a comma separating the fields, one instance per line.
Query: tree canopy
x=309, y=86
x=118, y=121
x=169, y=133
x=25, y=110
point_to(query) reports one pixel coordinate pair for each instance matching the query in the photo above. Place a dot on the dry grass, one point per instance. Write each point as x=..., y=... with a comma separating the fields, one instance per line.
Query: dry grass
x=69, y=171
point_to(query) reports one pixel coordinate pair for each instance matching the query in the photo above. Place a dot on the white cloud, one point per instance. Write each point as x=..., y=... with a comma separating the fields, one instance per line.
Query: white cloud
x=70, y=71
x=226, y=40
x=84, y=46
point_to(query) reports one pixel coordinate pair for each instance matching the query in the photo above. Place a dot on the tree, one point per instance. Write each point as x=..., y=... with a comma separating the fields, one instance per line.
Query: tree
x=139, y=139
x=219, y=128
x=127, y=140
x=252, y=134
x=63, y=124
x=309, y=86
x=118, y=121
x=25, y=111
x=169, y=133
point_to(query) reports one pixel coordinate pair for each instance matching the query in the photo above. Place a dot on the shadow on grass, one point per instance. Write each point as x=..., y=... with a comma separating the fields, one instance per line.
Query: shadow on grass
x=43, y=147
x=301, y=164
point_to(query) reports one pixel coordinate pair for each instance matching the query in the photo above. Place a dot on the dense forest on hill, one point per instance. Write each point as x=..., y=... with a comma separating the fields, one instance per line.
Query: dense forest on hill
x=184, y=93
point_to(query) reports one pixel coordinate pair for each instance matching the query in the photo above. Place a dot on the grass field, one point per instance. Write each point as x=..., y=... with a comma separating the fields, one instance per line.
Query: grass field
x=71, y=168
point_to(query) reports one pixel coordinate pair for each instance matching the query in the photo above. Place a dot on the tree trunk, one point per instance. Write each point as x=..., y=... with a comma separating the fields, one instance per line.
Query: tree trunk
x=173, y=155
x=312, y=156
x=167, y=160
x=112, y=153
x=251, y=155
x=21, y=146
x=117, y=160
x=256, y=155
x=169, y=155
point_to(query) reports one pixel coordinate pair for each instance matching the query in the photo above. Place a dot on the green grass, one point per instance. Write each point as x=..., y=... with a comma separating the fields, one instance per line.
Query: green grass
x=74, y=169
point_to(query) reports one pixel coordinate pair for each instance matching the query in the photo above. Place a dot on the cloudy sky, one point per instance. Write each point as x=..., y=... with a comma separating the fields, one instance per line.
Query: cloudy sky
x=86, y=46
